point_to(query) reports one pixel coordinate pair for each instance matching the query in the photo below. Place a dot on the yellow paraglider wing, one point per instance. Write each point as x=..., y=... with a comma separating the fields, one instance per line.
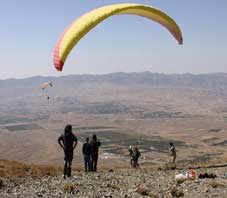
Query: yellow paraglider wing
x=88, y=21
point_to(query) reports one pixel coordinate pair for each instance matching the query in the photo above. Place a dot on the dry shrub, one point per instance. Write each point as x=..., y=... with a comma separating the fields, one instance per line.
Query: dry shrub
x=142, y=191
x=176, y=193
x=153, y=195
x=116, y=187
x=180, y=181
x=70, y=188
x=216, y=184
x=159, y=168
x=167, y=166
x=39, y=171
x=13, y=169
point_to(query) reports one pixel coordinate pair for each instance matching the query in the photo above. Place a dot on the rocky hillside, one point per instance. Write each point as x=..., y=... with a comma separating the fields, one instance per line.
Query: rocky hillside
x=112, y=183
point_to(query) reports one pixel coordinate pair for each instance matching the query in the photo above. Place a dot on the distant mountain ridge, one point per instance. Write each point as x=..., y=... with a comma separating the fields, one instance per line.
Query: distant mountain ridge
x=203, y=81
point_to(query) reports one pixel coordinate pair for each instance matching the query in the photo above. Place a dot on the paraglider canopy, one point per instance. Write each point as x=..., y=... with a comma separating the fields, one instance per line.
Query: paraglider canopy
x=71, y=36
x=46, y=84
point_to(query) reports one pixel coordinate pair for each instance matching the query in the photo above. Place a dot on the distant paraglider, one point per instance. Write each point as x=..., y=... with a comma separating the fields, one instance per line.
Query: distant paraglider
x=85, y=23
x=46, y=84
x=44, y=87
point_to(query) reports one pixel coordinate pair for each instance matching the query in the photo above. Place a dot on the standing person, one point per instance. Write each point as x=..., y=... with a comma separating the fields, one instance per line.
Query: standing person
x=131, y=154
x=95, y=144
x=137, y=155
x=172, y=152
x=68, y=143
x=87, y=155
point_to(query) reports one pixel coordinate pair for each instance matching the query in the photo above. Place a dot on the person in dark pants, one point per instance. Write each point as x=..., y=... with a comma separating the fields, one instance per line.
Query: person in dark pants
x=136, y=155
x=95, y=144
x=87, y=155
x=68, y=142
x=131, y=154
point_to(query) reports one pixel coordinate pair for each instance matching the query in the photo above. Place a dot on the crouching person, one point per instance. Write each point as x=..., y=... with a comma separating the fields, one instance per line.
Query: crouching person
x=68, y=143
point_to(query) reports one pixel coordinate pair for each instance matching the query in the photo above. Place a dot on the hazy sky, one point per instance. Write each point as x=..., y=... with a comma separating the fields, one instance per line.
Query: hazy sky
x=125, y=43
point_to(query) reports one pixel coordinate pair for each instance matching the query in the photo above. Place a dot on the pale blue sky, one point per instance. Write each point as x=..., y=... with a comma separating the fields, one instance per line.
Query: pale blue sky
x=30, y=29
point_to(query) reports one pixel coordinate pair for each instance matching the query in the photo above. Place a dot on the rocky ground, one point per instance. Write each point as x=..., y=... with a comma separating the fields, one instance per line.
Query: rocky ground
x=116, y=183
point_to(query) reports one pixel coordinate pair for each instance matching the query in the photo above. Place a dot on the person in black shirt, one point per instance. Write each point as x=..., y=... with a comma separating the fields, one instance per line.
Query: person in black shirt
x=68, y=142
x=136, y=155
x=87, y=155
x=95, y=144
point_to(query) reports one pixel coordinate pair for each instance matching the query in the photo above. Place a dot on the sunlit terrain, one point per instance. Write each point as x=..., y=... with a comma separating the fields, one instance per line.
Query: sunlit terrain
x=122, y=109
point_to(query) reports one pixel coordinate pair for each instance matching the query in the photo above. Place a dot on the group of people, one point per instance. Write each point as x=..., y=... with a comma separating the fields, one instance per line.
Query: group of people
x=90, y=150
x=134, y=153
x=91, y=153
